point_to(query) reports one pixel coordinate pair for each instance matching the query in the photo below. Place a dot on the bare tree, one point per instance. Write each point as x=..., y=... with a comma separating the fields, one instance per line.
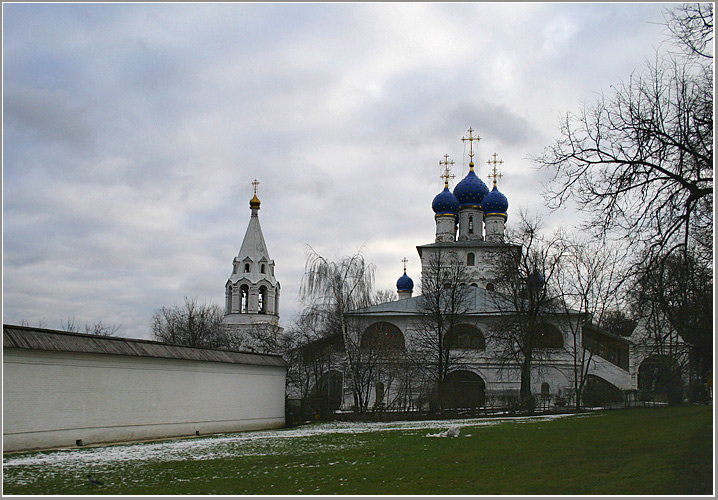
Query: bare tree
x=444, y=304
x=691, y=27
x=639, y=160
x=98, y=328
x=677, y=297
x=311, y=352
x=588, y=284
x=332, y=289
x=528, y=300
x=193, y=324
x=382, y=296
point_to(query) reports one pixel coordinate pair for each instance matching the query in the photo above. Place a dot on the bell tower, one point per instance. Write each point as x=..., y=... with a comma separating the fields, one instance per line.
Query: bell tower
x=252, y=290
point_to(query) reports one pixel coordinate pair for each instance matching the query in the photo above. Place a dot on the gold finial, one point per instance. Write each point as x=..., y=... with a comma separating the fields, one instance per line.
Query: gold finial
x=494, y=173
x=254, y=202
x=446, y=173
x=405, y=260
x=471, y=140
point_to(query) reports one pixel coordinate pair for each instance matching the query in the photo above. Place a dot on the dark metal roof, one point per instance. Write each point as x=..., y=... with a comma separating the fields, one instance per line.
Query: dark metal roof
x=40, y=339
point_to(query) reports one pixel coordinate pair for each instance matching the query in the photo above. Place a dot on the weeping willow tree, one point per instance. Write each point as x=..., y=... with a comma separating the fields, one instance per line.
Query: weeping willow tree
x=330, y=289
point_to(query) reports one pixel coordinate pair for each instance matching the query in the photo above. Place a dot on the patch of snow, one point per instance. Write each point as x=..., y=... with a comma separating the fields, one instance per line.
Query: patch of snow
x=451, y=432
x=256, y=443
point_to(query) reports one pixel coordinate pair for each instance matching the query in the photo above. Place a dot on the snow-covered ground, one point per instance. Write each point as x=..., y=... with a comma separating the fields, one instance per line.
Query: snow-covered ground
x=257, y=443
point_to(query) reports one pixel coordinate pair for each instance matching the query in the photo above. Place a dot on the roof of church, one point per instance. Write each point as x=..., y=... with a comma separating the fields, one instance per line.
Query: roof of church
x=40, y=339
x=481, y=301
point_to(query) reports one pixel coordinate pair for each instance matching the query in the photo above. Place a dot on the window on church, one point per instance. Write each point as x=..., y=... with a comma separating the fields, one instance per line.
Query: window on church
x=545, y=389
x=244, y=302
x=471, y=226
x=382, y=336
x=470, y=259
x=466, y=337
x=262, y=268
x=246, y=268
x=548, y=337
x=228, y=307
x=490, y=287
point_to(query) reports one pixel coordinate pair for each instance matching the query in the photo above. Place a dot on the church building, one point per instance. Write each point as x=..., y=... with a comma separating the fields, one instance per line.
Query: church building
x=470, y=229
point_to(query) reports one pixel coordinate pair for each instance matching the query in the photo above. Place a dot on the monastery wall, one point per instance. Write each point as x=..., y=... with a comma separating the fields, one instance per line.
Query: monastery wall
x=61, y=398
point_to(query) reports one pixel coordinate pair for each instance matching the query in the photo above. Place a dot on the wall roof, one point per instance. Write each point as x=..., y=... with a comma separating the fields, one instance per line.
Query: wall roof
x=40, y=339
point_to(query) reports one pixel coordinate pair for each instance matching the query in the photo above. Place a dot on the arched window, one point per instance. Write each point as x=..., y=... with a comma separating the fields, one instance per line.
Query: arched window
x=262, y=298
x=545, y=389
x=470, y=259
x=490, y=287
x=228, y=307
x=382, y=336
x=262, y=268
x=246, y=268
x=475, y=285
x=466, y=337
x=471, y=227
x=244, y=300
x=548, y=337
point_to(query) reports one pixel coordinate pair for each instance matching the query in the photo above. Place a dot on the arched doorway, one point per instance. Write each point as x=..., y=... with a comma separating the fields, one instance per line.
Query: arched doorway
x=462, y=389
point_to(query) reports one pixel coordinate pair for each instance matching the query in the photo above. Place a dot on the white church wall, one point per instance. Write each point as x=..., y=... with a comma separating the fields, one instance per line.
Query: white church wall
x=55, y=399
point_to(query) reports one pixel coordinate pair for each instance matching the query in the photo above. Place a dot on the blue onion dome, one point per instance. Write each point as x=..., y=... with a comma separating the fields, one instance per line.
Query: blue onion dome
x=536, y=280
x=445, y=203
x=471, y=190
x=404, y=284
x=495, y=203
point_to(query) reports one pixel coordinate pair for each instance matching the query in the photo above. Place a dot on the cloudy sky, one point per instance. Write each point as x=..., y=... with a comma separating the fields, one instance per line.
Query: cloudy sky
x=132, y=133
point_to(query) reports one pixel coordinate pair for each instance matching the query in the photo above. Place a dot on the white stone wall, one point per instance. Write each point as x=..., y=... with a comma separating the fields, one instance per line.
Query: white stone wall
x=54, y=399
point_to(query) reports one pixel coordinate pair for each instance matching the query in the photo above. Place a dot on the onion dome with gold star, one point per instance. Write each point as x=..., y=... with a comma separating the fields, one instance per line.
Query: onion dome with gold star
x=495, y=203
x=445, y=203
x=471, y=190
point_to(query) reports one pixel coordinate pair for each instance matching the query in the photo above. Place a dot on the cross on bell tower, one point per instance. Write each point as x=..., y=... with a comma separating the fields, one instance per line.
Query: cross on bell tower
x=405, y=260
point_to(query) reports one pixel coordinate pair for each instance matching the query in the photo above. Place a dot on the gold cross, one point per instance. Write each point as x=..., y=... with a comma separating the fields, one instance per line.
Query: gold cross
x=446, y=174
x=471, y=140
x=405, y=260
x=255, y=183
x=494, y=172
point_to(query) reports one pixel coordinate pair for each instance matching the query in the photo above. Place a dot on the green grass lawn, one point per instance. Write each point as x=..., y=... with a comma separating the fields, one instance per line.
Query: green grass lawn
x=646, y=451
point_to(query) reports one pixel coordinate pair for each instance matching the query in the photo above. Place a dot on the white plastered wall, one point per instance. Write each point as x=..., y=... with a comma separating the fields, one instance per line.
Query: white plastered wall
x=54, y=399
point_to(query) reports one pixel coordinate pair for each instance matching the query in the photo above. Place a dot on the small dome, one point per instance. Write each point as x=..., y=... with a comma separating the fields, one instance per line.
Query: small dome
x=471, y=190
x=445, y=203
x=536, y=280
x=404, y=284
x=495, y=203
x=254, y=202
